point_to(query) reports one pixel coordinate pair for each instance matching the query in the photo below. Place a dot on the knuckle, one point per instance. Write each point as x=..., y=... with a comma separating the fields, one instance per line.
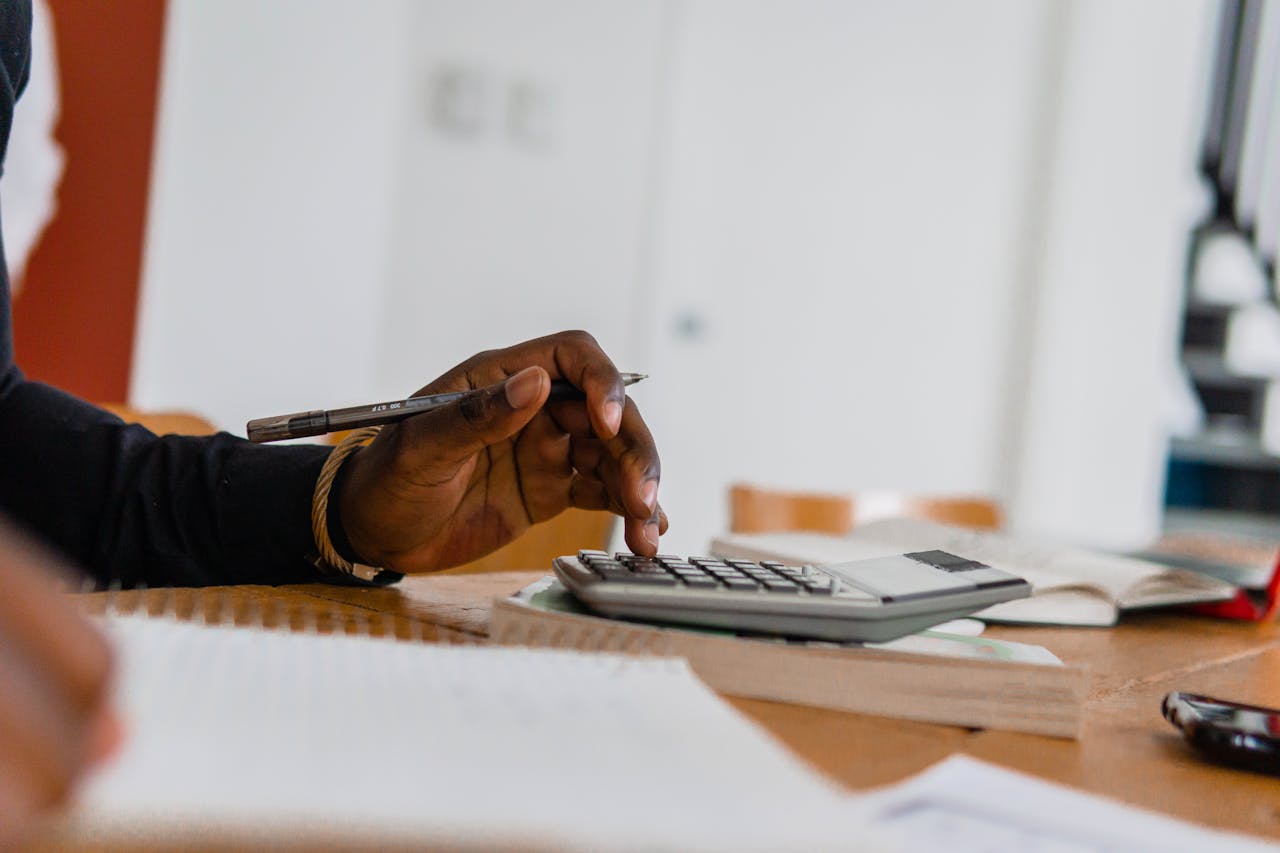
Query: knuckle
x=644, y=461
x=475, y=408
x=478, y=361
x=580, y=337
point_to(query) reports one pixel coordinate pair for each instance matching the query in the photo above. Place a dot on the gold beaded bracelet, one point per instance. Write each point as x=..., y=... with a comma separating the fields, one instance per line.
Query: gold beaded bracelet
x=329, y=555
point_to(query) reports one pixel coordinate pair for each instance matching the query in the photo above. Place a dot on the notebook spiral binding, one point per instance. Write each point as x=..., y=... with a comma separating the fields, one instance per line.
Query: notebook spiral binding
x=251, y=608
x=254, y=609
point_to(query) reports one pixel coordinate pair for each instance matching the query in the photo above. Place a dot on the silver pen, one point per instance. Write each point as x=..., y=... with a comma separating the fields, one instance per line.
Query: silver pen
x=321, y=421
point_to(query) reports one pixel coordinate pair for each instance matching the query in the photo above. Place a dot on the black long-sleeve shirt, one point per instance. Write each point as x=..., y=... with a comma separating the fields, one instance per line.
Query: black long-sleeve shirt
x=121, y=502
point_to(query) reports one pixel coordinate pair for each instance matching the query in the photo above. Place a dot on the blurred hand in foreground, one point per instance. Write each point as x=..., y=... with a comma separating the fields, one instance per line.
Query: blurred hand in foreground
x=55, y=721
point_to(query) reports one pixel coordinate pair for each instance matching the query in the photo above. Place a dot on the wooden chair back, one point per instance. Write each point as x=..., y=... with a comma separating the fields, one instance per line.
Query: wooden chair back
x=753, y=509
x=540, y=544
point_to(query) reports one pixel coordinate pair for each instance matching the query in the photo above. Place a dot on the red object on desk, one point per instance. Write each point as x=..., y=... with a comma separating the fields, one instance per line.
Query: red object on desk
x=1247, y=606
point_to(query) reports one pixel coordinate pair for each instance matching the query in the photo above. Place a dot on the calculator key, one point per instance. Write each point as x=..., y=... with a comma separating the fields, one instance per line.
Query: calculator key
x=742, y=564
x=700, y=582
x=773, y=564
x=826, y=587
x=586, y=553
x=781, y=586
x=707, y=562
x=678, y=564
x=643, y=569
x=646, y=579
x=615, y=574
x=740, y=583
x=610, y=565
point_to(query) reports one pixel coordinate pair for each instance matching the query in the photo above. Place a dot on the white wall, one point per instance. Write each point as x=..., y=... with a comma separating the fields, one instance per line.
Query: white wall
x=320, y=236
x=271, y=203
x=922, y=246
x=847, y=187
x=1101, y=326
x=517, y=224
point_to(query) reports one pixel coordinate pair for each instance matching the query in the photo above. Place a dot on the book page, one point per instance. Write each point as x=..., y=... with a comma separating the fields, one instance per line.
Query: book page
x=233, y=727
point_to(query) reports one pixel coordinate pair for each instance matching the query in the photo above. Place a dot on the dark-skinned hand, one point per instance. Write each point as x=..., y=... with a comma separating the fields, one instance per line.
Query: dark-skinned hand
x=55, y=720
x=446, y=487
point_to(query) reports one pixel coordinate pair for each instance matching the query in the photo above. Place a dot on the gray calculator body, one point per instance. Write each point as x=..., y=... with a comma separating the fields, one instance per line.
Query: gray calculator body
x=873, y=600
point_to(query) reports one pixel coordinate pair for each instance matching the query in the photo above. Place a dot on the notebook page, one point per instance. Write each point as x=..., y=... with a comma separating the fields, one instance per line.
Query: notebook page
x=234, y=727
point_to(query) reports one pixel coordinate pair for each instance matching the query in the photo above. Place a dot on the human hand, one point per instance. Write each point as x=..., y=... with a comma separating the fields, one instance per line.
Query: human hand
x=446, y=487
x=54, y=670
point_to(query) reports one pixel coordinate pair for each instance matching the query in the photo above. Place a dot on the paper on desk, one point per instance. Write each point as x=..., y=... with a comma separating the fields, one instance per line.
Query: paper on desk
x=238, y=727
x=962, y=805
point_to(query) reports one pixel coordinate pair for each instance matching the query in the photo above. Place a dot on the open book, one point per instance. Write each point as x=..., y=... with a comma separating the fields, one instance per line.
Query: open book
x=1073, y=586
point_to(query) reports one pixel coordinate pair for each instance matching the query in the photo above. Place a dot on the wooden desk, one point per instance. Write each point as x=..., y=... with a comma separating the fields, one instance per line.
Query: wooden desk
x=1127, y=751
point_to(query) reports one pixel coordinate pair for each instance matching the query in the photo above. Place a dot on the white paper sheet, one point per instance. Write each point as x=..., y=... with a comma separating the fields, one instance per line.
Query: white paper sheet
x=235, y=726
x=962, y=805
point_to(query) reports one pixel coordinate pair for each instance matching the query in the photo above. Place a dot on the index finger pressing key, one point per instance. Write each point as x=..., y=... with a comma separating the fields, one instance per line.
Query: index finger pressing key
x=639, y=466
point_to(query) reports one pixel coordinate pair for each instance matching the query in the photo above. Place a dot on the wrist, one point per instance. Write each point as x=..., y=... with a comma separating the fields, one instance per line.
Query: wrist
x=330, y=559
x=337, y=530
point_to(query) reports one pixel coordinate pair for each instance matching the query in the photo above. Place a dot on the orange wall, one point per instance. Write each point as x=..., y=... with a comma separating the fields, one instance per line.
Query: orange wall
x=74, y=317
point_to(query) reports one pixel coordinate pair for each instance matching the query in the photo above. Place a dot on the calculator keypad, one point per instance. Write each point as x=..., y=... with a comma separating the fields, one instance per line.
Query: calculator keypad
x=708, y=573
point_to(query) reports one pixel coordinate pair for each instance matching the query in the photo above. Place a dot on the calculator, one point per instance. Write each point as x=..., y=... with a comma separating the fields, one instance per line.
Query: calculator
x=872, y=600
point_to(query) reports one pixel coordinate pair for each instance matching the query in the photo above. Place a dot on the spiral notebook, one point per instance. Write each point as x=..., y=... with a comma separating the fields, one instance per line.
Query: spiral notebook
x=243, y=730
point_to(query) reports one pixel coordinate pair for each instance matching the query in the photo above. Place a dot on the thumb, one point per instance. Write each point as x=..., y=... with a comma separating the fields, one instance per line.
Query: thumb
x=484, y=417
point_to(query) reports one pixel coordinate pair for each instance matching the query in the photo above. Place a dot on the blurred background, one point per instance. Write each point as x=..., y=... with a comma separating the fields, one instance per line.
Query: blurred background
x=924, y=247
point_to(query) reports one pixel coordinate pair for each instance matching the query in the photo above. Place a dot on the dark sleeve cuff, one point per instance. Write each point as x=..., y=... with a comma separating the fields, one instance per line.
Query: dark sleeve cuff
x=133, y=508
